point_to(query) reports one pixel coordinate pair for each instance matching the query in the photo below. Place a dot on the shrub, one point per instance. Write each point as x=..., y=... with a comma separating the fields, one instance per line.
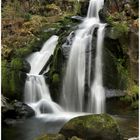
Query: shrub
x=132, y=96
x=27, y=16
x=121, y=28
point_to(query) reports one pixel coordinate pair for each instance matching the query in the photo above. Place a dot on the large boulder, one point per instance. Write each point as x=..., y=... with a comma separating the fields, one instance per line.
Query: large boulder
x=92, y=127
x=16, y=110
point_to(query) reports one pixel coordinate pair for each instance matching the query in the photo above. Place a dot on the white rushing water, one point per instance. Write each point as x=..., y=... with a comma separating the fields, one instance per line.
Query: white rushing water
x=38, y=59
x=97, y=97
x=74, y=82
x=36, y=93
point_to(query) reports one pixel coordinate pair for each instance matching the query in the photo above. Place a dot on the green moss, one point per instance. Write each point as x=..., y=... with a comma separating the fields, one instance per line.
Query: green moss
x=57, y=62
x=52, y=137
x=23, y=51
x=91, y=127
x=5, y=77
x=135, y=89
x=135, y=104
x=27, y=16
x=122, y=70
x=77, y=8
x=17, y=64
x=132, y=96
x=115, y=17
x=119, y=23
x=121, y=28
x=110, y=19
x=55, y=78
x=13, y=78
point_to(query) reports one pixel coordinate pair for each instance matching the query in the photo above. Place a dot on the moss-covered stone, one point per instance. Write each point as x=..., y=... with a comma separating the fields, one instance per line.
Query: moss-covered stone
x=13, y=78
x=56, y=71
x=55, y=74
x=52, y=137
x=5, y=77
x=132, y=96
x=99, y=126
x=55, y=79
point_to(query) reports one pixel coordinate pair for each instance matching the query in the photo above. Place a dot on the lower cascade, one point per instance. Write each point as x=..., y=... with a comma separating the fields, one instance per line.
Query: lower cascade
x=38, y=97
x=73, y=94
x=37, y=94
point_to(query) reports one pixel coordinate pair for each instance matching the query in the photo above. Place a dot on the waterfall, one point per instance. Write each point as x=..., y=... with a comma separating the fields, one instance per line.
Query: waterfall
x=78, y=71
x=36, y=92
x=73, y=92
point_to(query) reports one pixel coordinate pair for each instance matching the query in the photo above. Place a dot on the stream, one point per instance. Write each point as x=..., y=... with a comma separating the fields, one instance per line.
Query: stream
x=32, y=128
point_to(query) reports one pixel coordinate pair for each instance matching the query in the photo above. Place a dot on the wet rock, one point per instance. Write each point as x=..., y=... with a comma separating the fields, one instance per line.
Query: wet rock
x=16, y=110
x=98, y=126
x=77, y=18
x=23, y=110
x=13, y=78
x=102, y=15
x=112, y=93
x=26, y=66
x=67, y=45
x=9, y=121
x=50, y=30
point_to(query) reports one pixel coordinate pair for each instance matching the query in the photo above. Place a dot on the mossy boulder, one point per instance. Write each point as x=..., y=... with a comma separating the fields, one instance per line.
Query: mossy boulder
x=92, y=127
x=55, y=73
x=20, y=64
x=52, y=137
x=57, y=66
x=13, y=78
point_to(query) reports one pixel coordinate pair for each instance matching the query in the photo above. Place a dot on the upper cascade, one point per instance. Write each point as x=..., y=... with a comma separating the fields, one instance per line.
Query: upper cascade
x=78, y=72
x=94, y=7
x=38, y=59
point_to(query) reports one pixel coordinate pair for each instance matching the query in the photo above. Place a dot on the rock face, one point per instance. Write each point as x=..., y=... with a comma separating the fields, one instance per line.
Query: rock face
x=13, y=78
x=16, y=110
x=133, y=52
x=92, y=127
